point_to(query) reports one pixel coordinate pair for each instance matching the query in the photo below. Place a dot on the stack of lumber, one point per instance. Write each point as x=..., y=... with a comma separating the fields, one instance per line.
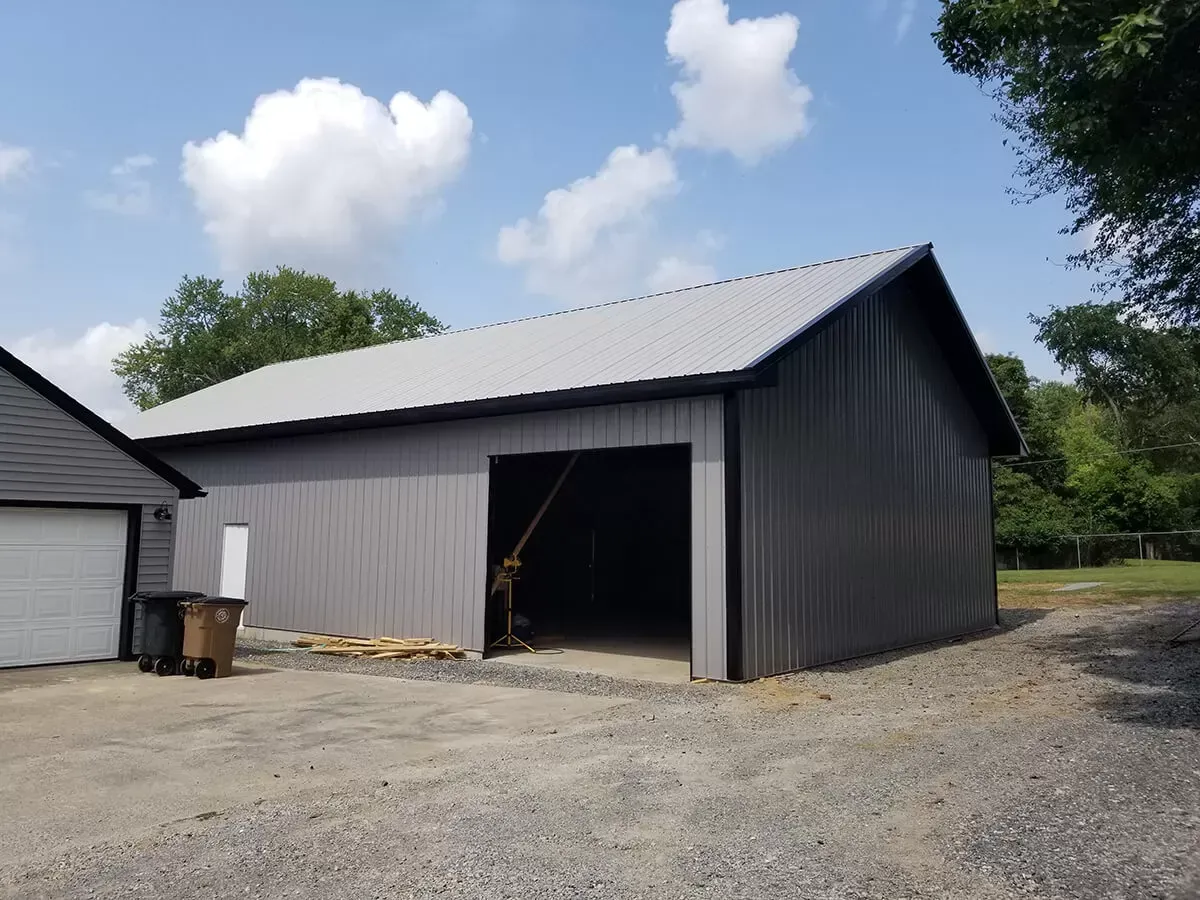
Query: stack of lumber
x=380, y=648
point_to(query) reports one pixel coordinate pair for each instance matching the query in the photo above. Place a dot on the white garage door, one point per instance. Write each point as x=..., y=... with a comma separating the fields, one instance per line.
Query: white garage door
x=62, y=574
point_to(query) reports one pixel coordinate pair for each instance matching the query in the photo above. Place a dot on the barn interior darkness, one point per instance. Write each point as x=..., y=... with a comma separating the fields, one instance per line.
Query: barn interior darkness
x=609, y=564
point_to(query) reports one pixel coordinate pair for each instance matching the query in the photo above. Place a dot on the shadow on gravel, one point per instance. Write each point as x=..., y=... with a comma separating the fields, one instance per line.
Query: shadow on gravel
x=1010, y=620
x=1157, y=681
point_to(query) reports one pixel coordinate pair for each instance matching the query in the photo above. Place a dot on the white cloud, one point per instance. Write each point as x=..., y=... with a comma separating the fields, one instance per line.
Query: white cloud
x=908, y=11
x=736, y=92
x=10, y=234
x=14, y=162
x=130, y=194
x=322, y=172
x=673, y=272
x=83, y=366
x=586, y=239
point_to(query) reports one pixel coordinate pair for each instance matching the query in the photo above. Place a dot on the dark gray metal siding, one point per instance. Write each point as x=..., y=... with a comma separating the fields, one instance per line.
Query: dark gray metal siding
x=48, y=456
x=866, y=506
x=385, y=531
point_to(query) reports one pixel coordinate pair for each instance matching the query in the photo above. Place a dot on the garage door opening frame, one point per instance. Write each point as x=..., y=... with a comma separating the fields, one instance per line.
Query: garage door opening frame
x=133, y=535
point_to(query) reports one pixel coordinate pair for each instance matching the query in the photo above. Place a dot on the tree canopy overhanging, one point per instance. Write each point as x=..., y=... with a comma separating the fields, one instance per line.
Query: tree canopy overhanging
x=207, y=335
x=1103, y=98
x=1116, y=451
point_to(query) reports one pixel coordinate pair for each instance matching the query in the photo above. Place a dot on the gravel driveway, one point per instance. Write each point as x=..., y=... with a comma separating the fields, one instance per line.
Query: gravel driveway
x=1057, y=757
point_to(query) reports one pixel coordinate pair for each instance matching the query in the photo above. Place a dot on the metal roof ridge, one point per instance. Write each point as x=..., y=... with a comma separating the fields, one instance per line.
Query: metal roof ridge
x=607, y=303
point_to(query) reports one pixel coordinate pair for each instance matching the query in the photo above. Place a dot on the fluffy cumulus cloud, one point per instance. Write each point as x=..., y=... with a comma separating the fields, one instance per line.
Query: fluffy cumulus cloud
x=736, y=92
x=14, y=162
x=594, y=239
x=129, y=191
x=673, y=272
x=82, y=366
x=585, y=239
x=322, y=172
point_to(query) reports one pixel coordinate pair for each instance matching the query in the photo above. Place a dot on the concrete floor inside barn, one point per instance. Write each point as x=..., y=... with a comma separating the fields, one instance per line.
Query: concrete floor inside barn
x=666, y=662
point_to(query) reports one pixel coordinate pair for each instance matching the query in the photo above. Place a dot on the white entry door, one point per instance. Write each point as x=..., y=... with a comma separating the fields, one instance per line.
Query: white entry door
x=234, y=555
x=62, y=574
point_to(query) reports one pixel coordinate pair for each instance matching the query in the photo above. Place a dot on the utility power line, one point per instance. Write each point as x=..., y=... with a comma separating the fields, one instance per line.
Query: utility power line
x=1040, y=462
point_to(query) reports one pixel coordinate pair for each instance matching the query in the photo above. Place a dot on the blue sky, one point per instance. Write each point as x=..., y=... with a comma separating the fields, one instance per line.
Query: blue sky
x=766, y=155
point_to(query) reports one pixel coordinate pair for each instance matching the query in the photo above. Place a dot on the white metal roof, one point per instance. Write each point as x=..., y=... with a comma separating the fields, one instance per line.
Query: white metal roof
x=724, y=327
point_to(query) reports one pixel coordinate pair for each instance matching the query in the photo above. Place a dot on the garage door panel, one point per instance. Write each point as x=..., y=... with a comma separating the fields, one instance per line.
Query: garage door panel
x=58, y=530
x=14, y=604
x=93, y=641
x=94, y=602
x=105, y=565
x=16, y=565
x=12, y=647
x=62, y=580
x=52, y=603
x=57, y=565
x=102, y=529
x=50, y=644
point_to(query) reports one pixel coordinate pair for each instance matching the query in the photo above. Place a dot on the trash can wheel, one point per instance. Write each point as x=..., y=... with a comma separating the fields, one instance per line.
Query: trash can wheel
x=187, y=667
x=164, y=665
x=146, y=663
x=205, y=668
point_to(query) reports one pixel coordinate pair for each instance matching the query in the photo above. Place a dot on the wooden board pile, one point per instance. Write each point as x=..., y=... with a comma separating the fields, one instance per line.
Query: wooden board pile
x=380, y=648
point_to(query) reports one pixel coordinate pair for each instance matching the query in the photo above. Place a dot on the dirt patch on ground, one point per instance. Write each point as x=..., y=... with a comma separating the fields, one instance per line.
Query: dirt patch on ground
x=1047, y=596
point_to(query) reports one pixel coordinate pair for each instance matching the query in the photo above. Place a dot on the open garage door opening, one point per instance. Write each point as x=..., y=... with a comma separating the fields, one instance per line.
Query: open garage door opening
x=607, y=569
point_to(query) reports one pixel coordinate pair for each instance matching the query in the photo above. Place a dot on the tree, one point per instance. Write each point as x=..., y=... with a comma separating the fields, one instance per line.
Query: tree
x=207, y=336
x=1040, y=408
x=1149, y=378
x=1080, y=476
x=1101, y=96
x=1028, y=517
x=1110, y=491
x=1014, y=383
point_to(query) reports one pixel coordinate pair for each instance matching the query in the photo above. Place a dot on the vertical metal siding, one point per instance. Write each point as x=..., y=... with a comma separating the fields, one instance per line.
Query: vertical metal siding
x=866, y=518
x=385, y=531
x=47, y=455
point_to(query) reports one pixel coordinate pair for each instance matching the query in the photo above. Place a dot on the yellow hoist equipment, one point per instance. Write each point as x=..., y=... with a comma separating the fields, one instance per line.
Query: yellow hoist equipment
x=507, y=573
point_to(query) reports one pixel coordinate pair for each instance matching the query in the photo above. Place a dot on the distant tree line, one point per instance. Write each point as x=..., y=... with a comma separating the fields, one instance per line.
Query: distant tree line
x=1135, y=386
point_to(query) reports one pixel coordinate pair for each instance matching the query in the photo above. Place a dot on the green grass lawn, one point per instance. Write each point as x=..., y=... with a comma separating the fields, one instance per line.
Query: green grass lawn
x=1130, y=583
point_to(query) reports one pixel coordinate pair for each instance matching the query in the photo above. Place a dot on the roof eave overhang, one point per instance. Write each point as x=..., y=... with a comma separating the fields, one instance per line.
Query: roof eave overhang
x=602, y=395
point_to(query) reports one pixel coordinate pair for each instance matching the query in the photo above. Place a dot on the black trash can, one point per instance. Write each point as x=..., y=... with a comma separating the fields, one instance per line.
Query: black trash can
x=158, y=629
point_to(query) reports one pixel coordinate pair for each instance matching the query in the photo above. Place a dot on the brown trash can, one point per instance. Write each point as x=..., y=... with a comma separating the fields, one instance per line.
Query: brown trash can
x=209, y=633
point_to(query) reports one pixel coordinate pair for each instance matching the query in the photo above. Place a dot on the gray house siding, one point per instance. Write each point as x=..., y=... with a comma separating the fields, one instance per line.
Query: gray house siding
x=866, y=516
x=384, y=531
x=48, y=456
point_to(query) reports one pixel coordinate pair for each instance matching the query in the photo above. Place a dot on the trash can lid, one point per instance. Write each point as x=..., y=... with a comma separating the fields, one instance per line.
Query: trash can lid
x=223, y=601
x=167, y=595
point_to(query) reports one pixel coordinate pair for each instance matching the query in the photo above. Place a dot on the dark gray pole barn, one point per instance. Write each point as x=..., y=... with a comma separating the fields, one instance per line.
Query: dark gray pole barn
x=835, y=424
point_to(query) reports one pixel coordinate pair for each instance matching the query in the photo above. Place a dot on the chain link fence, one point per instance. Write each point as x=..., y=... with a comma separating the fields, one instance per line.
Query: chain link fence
x=1081, y=551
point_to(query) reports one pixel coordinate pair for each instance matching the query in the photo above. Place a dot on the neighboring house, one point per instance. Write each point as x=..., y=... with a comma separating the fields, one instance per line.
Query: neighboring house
x=778, y=471
x=85, y=520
